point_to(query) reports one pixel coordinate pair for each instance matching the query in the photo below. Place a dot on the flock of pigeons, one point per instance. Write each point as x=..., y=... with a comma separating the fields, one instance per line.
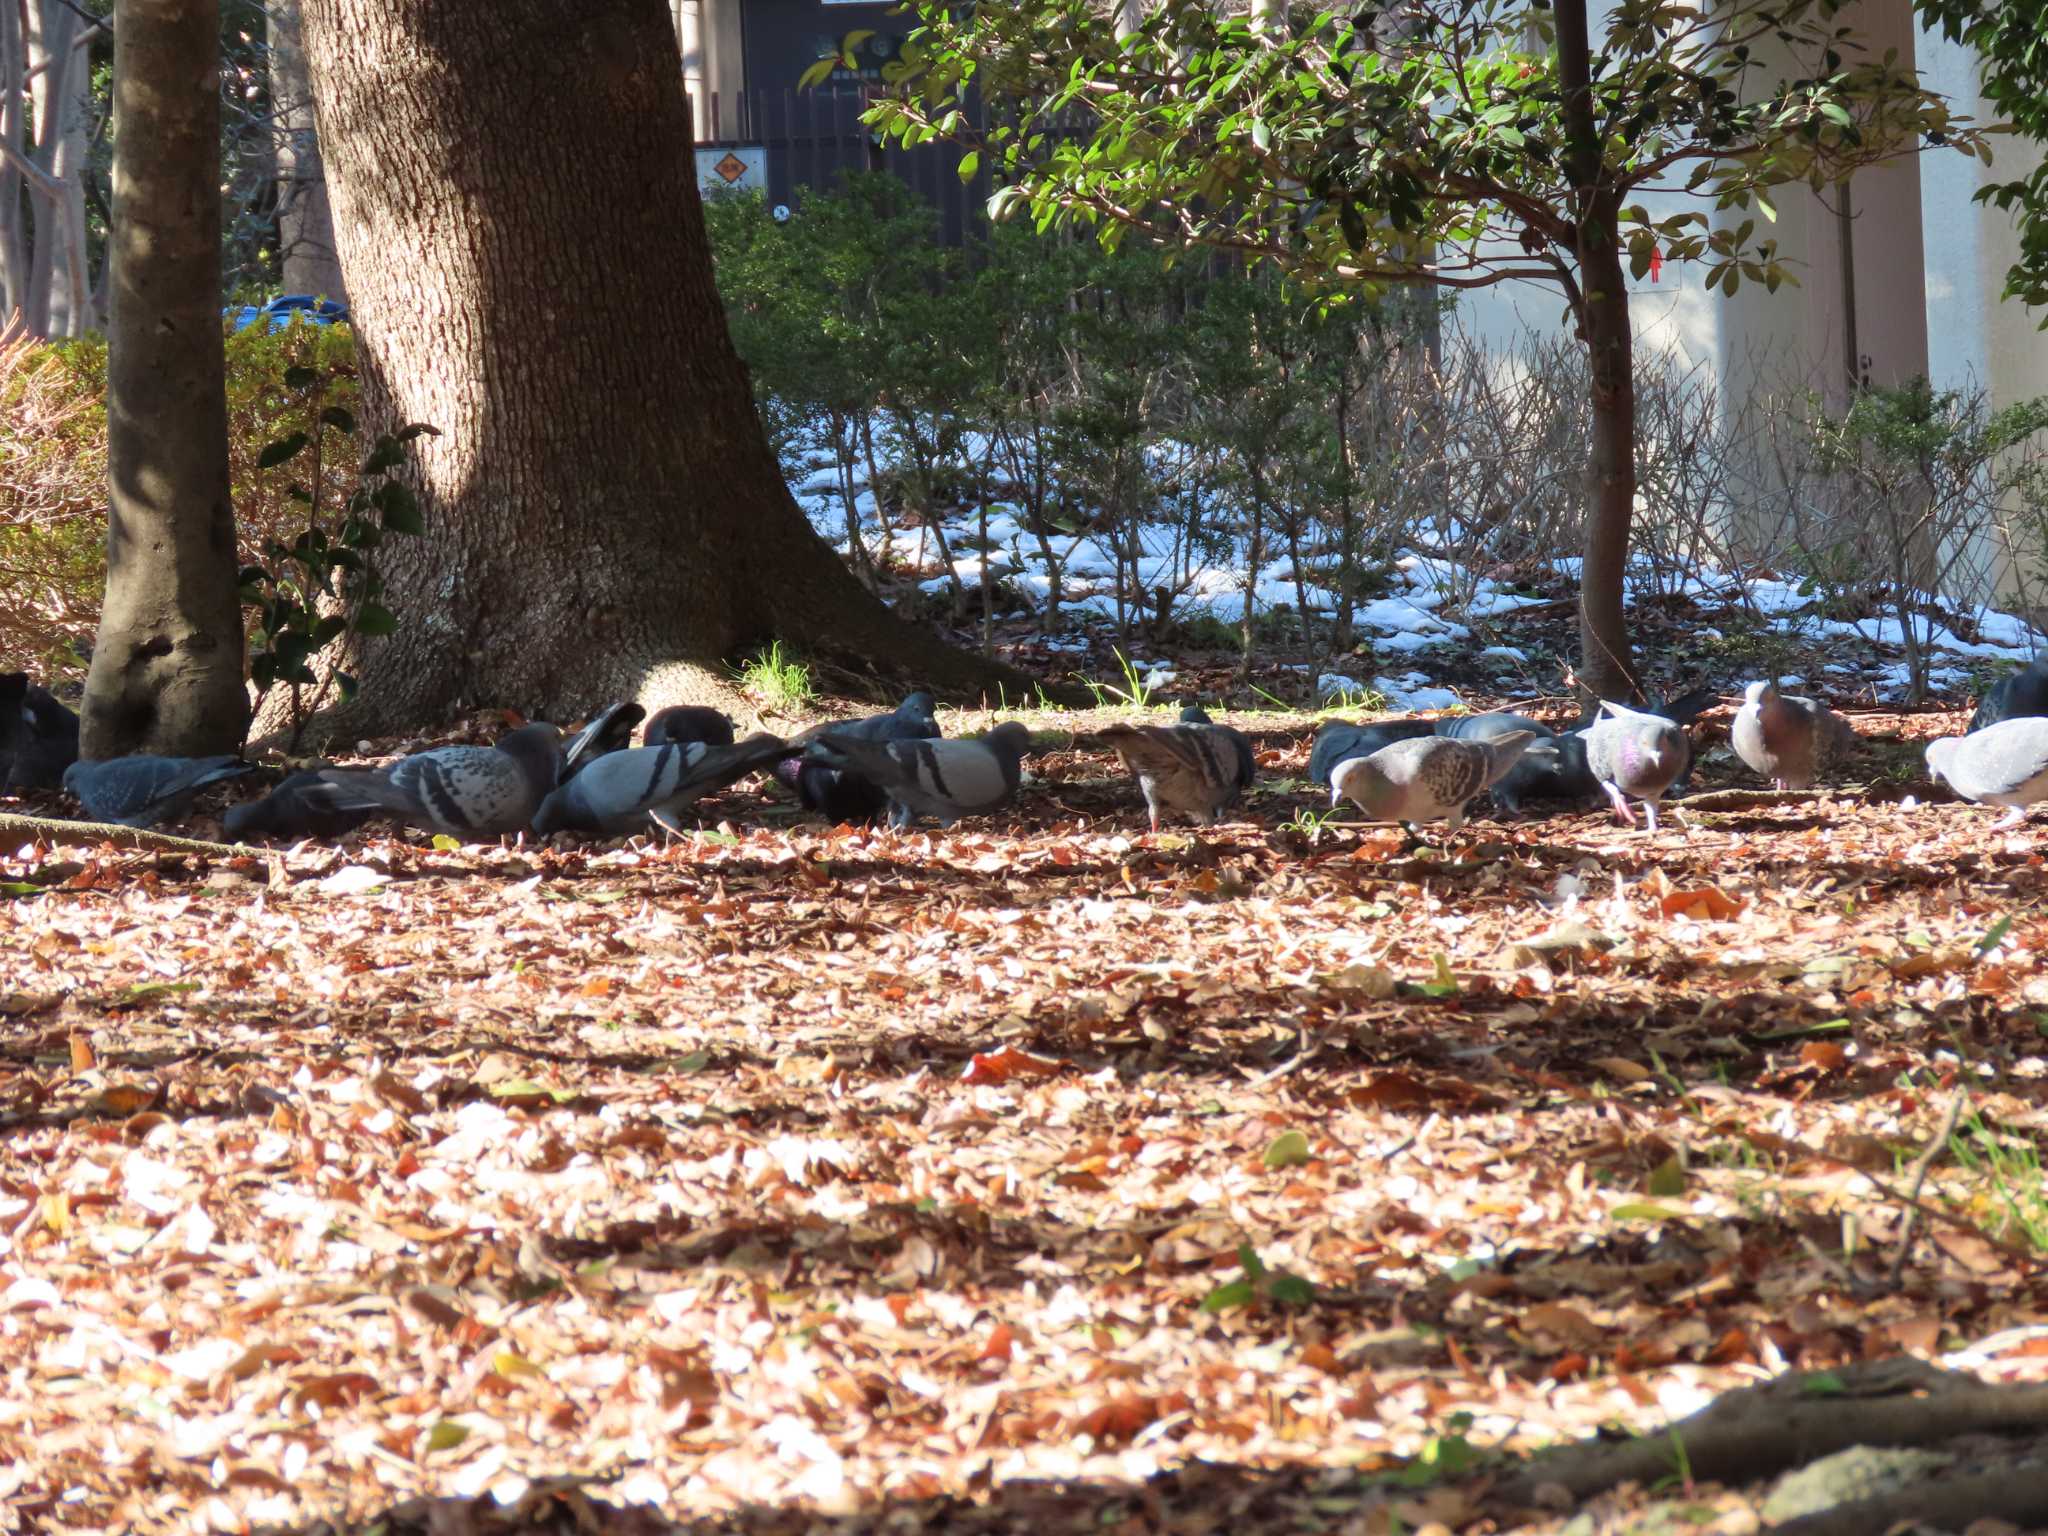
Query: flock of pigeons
x=898, y=764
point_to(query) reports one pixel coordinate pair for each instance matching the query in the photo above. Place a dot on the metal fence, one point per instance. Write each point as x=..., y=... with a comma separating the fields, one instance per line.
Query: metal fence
x=811, y=137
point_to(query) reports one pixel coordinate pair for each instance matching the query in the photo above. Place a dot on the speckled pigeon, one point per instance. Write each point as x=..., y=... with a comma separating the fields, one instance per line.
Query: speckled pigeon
x=1340, y=739
x=474, y=792
x=1789, y=740
x=1196, y=767
x=1551, y=767
x=141, y=791
x=2021, y=695
x=2003, y=764
x=1426, y=778
x=681, y=723
x=609, y=730
x=625, y=792
x=304, y=805
x=38, y=735
x=1631, y=752
x=941, y=779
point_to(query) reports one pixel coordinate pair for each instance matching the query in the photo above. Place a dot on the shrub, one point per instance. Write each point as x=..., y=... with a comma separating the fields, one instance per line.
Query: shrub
x=53, y=472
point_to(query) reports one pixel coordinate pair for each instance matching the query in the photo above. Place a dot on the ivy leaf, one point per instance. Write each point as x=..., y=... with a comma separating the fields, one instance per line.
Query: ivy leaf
x=284, y=448
x=376, y=619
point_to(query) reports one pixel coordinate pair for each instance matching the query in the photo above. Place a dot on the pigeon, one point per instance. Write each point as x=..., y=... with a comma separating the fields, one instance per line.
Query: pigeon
x=461, y=791
x=1196, y=767
x=609, y=730
x=1788, y=740
x=941, y=779
x=1684, y=709
x=2021, y=695
x=1548, y=768
x=682, y=723
x=141, y=791
x=304, y=805
x=38, y=735
x=1340, y=739
x=1632, y=752
x=912, y=720
x=1425, y=778
x=839, y=792
x=621, y=793
x=2003, y=764
x=836, y=793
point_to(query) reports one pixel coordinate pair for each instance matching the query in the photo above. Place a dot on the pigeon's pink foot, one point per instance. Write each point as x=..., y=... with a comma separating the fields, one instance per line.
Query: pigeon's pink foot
x=1650, y=810
x=1620, y=805
x=2010, y=819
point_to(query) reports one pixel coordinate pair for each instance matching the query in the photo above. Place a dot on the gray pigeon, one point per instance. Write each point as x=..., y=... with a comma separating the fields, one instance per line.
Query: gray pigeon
x=912, y=720
x=1426, y=778
x=1196, y=767
x=38, y=735
x=2014, y=697
x=462, y=791
x=682, y=723
x=1788, y=740
x=621, y=793
x=141, y=791
x=304, y=805
x=2003, y=764
x=941, y=779
x=1633, y=753
x=1340, y=739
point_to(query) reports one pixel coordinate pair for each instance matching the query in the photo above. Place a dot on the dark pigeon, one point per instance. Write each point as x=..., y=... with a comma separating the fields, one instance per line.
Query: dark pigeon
x=1341, y=739
x=2006, y=763
x=1633, y=752
x=1426, y=778
x=2022, y=695
x=681, y=723
x=462, y=791
x=304, y=805
x=141, y=791
x=941, y=779
x=625, y=792
x=1196, y=767
x=609, y=730
x=38, y=735
x=838, y=792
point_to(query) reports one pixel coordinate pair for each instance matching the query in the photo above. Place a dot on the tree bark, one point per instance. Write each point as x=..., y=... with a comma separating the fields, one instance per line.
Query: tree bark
x=167, y=671
x=305, y=217
x=516, y=205
x=1606, y=666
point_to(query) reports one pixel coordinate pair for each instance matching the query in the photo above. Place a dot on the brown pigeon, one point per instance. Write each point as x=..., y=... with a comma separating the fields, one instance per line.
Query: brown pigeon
x=1426, y=779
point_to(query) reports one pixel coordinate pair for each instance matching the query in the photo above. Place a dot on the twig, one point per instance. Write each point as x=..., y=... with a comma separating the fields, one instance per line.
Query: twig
x=91, y=834
x=1918, y=1177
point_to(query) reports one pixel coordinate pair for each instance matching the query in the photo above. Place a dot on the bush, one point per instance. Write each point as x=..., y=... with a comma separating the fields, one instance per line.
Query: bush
x=53, y=473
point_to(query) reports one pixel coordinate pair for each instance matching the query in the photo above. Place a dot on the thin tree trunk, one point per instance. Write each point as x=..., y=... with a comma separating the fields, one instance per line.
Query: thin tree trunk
x=167, y=671
x=13, y=249
x=605, y=517
x=1606, y=668
x=305, y=218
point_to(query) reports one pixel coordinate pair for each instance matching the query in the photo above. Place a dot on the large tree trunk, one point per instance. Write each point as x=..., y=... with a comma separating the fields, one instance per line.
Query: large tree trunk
x=305, y=218
x=516, y=205
x=1606, y=667
x=167, y=671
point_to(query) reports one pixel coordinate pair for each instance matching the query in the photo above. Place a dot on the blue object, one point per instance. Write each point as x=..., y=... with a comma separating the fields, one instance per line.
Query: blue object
x=277, y=314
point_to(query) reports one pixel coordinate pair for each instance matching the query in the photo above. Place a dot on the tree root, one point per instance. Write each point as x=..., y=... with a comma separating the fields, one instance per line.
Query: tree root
x=2015, y=1492
x=1796, y=1418
x=91, y=834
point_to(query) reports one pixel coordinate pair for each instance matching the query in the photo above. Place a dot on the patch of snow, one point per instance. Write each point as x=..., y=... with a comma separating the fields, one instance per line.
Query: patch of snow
x=1336, y=684
x=1412, y=691
x=1506, y=653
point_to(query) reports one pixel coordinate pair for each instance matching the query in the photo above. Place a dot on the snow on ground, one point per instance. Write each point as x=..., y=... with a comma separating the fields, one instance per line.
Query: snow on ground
x=1409, y=621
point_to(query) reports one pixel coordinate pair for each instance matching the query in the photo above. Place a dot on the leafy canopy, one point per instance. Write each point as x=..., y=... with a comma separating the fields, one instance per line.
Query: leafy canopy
x=1372, y=148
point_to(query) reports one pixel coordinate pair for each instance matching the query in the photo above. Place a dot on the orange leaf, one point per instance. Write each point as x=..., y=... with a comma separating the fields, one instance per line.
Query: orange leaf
x=1001, y=1066
x=1001, y=1342
x=1823, y=1055
x=1706, y=903
x=82, y=1059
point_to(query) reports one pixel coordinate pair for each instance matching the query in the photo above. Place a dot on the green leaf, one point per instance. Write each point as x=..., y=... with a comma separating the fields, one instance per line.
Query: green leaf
x=400, y=508
x=446, y=844
x=1667, y=1179
x=1644, y=1211
x=969, y=164
x=1238, y=1293
x=376, y=619
x=818, y=73
x=284, y=448
x=17, y=888
x=446, y=1435
x=1249, y=1261
x=300, y=377
x=1993, y=934
x=339, y=418
x=1288, y=1150
x=413, y=429
x=1292, y=1290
